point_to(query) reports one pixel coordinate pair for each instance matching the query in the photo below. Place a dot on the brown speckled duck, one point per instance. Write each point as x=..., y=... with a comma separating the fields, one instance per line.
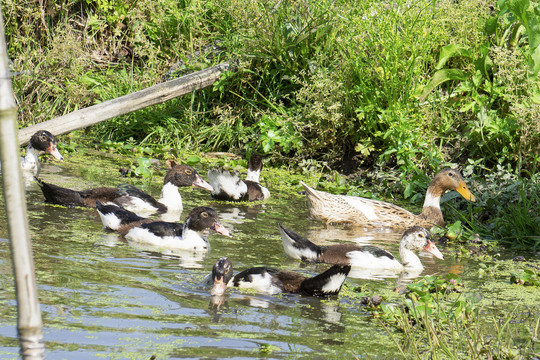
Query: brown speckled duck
x=357, y=211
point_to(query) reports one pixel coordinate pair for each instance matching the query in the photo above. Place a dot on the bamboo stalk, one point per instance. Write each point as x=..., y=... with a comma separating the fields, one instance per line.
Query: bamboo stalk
x=29, y=324
x=153, y=95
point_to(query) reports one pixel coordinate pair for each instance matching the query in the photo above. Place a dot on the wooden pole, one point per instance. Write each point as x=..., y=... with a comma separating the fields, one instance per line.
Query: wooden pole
x=29, y=324
x=125, y=104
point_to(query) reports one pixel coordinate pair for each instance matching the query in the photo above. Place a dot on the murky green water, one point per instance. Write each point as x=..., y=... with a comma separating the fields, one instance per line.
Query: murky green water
x=102, y=298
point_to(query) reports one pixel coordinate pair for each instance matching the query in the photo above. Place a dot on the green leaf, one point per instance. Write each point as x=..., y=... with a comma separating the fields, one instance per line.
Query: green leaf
x=442, y=76
x=450, y=51
x=408, y=190
x=491, y=25
x=144, y=162
x=193, y=160
x=535, y=62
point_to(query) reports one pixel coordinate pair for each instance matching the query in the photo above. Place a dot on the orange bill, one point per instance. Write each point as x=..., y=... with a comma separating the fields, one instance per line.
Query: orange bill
x=464, y=191
x=432, y=249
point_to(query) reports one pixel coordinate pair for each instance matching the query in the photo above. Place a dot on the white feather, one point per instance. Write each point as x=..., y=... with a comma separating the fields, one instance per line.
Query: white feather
x=432, y=201
x=365, y=259
x=293, y=251
x=266, y=192
x=364, y=207
x=138, y=206
x=261, y=283
x=110, y=220
x=225, y=182
x=171, y=198
x=191, y=240
x=334, y=283
x=253, y=175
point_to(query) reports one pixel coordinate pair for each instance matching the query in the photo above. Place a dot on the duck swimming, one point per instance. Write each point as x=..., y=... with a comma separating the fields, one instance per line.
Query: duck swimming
x=358, y=211
x=130, y=197
x=229, y=187
x=413, y=240
x=186, y=236
x=271, y=281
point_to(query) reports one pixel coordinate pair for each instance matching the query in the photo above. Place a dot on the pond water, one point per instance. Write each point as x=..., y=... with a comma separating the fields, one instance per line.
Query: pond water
x=104, y=298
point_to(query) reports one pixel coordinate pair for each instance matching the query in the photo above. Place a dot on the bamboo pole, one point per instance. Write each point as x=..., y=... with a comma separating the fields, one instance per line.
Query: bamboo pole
x=29, y=324
x=125, y=104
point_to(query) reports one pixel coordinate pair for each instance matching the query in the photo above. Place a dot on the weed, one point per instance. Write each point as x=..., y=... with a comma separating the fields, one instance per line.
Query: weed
x=437, y=325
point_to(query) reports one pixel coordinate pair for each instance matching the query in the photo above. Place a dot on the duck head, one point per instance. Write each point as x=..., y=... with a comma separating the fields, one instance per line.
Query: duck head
x=184, y=175
x=202, y=218
x=417, y=238
x=44, y=142
x=222, y=273
x=450, y=179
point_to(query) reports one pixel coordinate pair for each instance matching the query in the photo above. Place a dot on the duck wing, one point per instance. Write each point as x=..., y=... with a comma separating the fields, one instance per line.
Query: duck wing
x=163, y=228
x=129, y=192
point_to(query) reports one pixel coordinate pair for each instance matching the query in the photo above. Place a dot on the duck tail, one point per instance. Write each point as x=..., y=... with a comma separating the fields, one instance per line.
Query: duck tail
x=310, y=192
x=113, y=216
x=328, y=283
x=298, y=247
x=58, y=195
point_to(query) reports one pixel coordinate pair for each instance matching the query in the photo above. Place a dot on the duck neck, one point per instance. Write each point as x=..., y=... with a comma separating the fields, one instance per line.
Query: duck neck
x=253, y=175
x=431, y=210
x=408, y=258
x=190, y=234
x=31, y=158
x=170, y=197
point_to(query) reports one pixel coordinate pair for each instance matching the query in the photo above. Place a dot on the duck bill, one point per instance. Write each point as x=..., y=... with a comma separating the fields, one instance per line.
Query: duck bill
x=202, y=184
x=53, y=150
x=219, y=286
x=432, y=249
x=464, y=191
x=220, y=229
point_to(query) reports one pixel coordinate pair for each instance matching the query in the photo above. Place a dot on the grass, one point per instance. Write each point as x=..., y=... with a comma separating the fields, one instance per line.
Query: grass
x=435, y=323
x=345, y=86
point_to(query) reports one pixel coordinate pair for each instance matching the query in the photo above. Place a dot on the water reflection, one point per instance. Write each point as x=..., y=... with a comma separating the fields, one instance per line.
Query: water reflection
x=235, y=215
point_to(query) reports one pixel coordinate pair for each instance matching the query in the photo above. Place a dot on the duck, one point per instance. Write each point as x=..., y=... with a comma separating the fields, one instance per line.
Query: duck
x=414, y=239
x=271, y=281
x=229, y=187
x=42, y=142
x=358, y=211
x=177, y=236
x=129, y=196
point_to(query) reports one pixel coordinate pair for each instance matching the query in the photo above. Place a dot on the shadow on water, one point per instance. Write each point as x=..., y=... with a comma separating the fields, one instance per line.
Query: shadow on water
x=103, y=297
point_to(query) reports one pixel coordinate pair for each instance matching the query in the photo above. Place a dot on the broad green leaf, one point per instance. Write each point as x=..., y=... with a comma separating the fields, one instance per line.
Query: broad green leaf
x=491, y=25
x=450, y=51
x=144, y=162
x=193, y=160
x=535, y=61
x=442, y=76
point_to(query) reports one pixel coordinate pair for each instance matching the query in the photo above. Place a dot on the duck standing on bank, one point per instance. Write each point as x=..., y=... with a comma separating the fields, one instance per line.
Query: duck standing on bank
x=171, y=235
x=358, y=211
x=130, y=197
x=271, y=281
x=229, y=187
x=413, y=240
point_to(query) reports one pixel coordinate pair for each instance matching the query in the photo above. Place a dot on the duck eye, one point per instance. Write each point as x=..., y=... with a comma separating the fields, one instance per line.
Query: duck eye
x=189, y=172
x=204, y=214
